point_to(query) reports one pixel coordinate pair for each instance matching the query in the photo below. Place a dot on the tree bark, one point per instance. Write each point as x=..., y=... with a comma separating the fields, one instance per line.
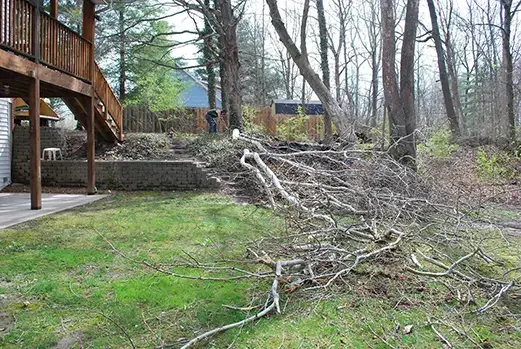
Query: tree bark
x=230, y=63
x=374, y=88
x=122, y=56
x=209, y=58
x=402, y=120
x=454, y=85
x=444, y=77
x=329, y=103
x=324, y=63
x=508, y=68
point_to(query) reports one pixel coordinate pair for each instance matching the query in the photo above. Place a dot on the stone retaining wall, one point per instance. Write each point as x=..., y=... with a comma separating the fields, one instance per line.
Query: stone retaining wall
x=49, y=138
x=123, y=175
x=117, y=175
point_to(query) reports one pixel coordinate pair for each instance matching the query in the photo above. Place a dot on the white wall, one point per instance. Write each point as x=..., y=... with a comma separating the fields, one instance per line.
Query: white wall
x=5, y=142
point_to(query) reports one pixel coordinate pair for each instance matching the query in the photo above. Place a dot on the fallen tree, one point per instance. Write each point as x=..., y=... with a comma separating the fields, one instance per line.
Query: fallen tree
x=347, y=210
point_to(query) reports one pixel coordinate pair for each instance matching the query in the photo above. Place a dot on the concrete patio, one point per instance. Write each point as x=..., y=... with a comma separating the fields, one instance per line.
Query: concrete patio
x=15, y=208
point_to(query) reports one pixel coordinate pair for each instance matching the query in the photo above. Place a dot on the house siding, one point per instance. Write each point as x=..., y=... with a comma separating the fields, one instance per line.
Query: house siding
x=195, y=93
x=5, y=142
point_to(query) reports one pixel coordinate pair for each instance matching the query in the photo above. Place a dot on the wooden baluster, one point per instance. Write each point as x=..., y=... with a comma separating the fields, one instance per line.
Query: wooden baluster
x=54, y=54
x=73, y=54
x=35, y=25
x=67, y=52
x=26, y=26
x=9, y=28
x=16, y=27
x=43, y=37
x=75, y=57
x=70, y=54
x=62, y=48
x=20, y=27
x=46, y=37
x=51, y=42
x=2, y=21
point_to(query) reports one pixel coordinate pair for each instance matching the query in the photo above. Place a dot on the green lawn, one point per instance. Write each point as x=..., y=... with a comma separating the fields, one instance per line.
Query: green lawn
x=62, y=285
x=59, y=277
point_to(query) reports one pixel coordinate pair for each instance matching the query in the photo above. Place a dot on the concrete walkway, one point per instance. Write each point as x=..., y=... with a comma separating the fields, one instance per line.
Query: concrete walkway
x=15, y=208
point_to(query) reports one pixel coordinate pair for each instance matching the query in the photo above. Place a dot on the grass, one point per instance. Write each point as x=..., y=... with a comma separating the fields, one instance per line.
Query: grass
x=60, y=281
x=58, y=275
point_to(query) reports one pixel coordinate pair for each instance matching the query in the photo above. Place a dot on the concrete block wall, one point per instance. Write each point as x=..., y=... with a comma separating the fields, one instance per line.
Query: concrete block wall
x=116, y=175
x=49, y=138
x=125, y=175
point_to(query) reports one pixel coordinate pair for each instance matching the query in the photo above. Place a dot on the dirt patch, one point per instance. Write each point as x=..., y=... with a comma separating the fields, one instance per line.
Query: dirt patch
x=6, y=322
x=68, y=341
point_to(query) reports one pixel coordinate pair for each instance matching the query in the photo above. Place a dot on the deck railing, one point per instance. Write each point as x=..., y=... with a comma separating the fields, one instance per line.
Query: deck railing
x=16, y=26
x=59, y=47
x=112, y=105
x=62, y=48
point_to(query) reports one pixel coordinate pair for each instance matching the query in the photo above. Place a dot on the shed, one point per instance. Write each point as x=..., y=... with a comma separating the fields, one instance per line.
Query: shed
x=21, y=112
x=5, y=142
x=291, y=107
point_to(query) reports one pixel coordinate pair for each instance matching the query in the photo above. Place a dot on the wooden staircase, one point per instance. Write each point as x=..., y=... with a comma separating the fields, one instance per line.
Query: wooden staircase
x=108, y=115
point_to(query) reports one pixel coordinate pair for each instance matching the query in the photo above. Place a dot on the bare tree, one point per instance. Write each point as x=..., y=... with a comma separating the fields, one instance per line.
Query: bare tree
x=508, y=67
x=324, y=63
x=444, y=78
x=447, y=19
x=400, y=98
x=301, y=59
x=209, y=59
x=373, y=27
x=230, y=60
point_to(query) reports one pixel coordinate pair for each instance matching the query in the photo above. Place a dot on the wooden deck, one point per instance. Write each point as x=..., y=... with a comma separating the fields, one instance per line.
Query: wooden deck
x=42, y=57
x=34, y=45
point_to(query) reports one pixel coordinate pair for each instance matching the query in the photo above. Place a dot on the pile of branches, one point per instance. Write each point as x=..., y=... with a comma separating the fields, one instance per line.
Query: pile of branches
x=346, y=207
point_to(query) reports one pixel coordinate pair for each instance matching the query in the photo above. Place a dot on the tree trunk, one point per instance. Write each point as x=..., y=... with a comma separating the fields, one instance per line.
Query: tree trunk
x=122, y=57
x=374, y=88
x=208, y=55
x=402, y=120
x=508, y=68
x=263, y=59
x=338, y=88
x=230, y=63
x=444, y=77
x=329, y=103
x=324, y=63
x=454, y=85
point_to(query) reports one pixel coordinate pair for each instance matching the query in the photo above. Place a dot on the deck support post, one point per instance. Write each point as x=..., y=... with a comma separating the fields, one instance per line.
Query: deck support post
x=34, y=149
x=88, y=33
x=91, y=147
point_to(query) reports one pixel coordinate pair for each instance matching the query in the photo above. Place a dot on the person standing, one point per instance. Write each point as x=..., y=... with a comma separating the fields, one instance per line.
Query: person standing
x=211, y=117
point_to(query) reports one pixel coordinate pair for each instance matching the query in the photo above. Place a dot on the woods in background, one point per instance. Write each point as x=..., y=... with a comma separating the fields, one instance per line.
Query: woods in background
x=458, y=62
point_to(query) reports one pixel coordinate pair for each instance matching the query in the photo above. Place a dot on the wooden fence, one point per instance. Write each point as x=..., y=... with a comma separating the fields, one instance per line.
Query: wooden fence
x=192, y=120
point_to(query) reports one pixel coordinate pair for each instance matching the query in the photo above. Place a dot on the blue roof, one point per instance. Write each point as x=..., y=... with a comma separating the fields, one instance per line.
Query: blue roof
x=290, y=107
x=195, y=92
